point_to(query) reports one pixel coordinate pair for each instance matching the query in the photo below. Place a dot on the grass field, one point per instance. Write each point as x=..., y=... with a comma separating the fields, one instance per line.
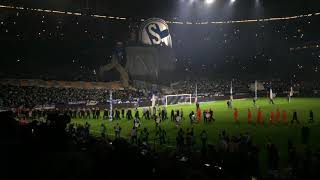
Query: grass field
x=279, y=133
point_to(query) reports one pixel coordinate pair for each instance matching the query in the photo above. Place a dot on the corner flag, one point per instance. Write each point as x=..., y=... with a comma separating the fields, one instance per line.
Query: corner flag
x=196, y=98
x=231, y=92
x=153, y=100
x=256, y=89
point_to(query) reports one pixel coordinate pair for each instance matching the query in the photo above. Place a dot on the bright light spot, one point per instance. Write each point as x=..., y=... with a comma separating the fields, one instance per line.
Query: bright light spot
x=257, y=4
x=209, y=1
x=18, y=60
x=232, y=1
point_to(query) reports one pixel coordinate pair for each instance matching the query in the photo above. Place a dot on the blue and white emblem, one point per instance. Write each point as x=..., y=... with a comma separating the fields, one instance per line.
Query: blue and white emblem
x=155, y=32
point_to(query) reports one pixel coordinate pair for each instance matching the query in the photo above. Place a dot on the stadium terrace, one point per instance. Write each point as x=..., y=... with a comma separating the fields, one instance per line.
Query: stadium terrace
x=183, y=89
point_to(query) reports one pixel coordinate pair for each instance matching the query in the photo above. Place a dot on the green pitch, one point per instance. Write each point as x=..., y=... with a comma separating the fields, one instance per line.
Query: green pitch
x=278, y=133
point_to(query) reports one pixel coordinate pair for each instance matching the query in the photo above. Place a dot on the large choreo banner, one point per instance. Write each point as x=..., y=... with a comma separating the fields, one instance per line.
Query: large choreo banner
x=149, y=63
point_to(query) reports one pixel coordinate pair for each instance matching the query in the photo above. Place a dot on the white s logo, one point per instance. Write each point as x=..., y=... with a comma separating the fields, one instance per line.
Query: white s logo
x=155, y=37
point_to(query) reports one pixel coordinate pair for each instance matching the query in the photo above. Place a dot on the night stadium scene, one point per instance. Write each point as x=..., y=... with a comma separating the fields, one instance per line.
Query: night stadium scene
x=168, y=89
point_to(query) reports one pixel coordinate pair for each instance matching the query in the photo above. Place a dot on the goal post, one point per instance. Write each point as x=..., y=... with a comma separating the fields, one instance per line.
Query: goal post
x=178, y=99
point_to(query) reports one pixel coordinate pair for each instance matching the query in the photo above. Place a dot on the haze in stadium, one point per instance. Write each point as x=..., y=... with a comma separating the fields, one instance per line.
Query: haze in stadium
x=171, y=89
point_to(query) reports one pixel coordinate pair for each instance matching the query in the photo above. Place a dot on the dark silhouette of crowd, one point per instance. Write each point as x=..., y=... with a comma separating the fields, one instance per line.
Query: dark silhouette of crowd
x=53, y=147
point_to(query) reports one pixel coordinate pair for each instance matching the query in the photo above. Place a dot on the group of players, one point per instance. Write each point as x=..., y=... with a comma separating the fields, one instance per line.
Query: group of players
x=95, y=113
x=156, y=114
x=274, y=116
x=159, y=114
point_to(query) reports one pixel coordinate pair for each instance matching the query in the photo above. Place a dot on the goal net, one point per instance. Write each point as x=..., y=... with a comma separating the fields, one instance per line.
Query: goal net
x=178, y=99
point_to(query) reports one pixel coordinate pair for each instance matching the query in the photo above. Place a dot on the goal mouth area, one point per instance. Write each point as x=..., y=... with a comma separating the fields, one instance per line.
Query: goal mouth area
x=178, y=99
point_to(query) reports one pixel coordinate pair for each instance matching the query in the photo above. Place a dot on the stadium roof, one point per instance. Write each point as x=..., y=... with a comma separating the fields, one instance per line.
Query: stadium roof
x=186, y=9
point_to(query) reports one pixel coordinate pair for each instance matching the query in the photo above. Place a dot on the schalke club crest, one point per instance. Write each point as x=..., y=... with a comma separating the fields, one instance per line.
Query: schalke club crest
x=155, y=31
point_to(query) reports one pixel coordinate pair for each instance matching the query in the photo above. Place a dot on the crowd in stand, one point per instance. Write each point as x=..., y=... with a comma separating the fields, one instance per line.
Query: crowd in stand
x=216, y=87
x=221, y=41
x=30, y=97
x=14, y=96
x=210, y=86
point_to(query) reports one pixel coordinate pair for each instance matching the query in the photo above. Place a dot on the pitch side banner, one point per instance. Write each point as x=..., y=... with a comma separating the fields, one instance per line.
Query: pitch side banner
x=46, y=107
x=77, y=102
x=92, y=103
